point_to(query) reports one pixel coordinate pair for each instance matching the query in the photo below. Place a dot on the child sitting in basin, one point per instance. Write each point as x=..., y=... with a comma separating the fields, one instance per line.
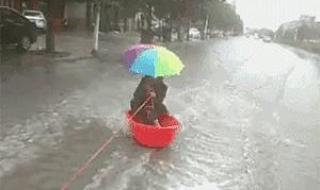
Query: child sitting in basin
x=154, y=90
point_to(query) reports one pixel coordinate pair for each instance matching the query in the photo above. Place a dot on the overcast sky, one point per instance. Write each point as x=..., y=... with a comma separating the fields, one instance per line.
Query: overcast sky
x=272, y=13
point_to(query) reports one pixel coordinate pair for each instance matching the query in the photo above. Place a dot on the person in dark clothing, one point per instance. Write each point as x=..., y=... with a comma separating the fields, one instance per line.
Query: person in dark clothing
x=156, y=90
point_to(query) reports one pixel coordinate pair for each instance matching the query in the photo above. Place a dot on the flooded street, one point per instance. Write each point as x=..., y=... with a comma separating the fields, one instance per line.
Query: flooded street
x=250, y=113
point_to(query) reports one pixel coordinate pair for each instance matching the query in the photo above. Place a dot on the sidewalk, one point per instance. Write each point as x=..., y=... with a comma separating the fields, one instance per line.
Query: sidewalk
x=78, y=45
x=313, y=47
x=70, y=48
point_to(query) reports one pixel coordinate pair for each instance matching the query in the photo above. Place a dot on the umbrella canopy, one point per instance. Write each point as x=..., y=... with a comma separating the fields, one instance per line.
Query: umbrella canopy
x=134, y=51
x=157, y=62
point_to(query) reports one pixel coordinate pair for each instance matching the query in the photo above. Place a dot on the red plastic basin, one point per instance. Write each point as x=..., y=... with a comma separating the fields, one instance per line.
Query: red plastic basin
x=155, y=136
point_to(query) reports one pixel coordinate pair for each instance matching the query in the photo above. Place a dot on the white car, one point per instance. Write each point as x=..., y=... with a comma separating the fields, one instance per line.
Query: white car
x=194, y=33
x=37, y=18
x=267, y=39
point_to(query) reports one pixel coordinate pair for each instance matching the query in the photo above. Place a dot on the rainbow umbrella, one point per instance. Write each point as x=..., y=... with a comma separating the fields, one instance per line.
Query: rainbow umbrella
x=134, y=51
x=156, y=62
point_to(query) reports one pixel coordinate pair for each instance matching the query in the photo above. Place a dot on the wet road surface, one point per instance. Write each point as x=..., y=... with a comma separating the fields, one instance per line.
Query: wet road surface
x=250, y=113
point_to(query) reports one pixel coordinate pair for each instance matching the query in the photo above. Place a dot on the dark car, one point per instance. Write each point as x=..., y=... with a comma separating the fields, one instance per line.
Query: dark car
x=16, y=29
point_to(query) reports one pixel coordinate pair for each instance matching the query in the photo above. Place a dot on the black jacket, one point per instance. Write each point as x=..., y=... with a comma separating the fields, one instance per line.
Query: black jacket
x=141, y=94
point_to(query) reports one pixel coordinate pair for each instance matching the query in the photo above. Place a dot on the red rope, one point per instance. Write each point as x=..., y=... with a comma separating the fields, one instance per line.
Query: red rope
x=139, y=109
x=85, y=166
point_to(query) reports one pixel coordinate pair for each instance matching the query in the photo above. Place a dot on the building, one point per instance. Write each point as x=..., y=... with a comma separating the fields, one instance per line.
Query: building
x=288, y=31
x=75, y=13
x=15, y=4
x=305, y=29
x=307, y=18
x=72, y=14
x=21, y=4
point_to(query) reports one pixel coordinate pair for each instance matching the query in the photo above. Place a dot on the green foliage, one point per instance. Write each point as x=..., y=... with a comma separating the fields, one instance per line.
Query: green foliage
x=129, y=7
x=221, y=15
x=80, y=1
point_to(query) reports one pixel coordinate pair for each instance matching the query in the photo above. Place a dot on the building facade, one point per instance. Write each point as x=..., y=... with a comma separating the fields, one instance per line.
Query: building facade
x=19, y=5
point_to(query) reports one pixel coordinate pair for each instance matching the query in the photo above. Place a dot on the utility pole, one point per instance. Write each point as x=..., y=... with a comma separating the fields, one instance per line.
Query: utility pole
x=96, y=28
x=205, y=32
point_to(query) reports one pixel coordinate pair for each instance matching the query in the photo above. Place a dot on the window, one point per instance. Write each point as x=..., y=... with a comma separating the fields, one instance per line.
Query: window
x=34, y=14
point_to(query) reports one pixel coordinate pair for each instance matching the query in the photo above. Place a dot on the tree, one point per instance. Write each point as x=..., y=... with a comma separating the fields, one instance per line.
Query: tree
x=128, y=9
x=147, y=7
x=88, y=14
x=195, y=11
x=96, y=27
x=50, y=38
x=224, y=17
x=52, y=7
x=179, y=13
x=164, y=12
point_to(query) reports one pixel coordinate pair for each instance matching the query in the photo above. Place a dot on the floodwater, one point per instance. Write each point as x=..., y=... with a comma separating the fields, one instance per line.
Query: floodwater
x=250, y=113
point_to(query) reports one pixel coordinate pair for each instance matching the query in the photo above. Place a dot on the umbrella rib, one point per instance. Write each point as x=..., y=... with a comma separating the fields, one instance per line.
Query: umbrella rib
x=156, y=64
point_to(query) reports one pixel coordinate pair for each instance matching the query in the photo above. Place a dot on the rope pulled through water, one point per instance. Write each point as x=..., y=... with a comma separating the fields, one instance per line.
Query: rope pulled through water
x=86, y=165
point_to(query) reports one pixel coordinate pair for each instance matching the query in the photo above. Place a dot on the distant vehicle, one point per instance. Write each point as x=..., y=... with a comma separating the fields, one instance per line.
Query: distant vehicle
x=16, y=29
x=267, y=39
x=194, y=33
x=256, y=36
x=36, y=17
x=229, y=33
x=216, y=34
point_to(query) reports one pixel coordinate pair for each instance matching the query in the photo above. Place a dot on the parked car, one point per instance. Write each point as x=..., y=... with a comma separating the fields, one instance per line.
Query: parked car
x=16, y=29
x=216, y=34
x=194, y=33
x=36, y=17
x=267, y=39
x=256, y=36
